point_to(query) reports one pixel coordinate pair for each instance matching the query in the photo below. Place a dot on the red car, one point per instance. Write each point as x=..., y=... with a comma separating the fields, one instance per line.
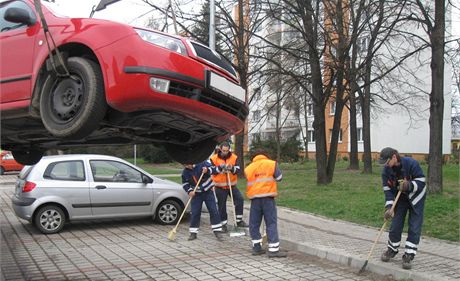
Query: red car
x=7, y=163
x=68, y=82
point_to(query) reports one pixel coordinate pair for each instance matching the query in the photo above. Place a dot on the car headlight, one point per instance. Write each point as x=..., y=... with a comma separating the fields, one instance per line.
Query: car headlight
x=162, y=40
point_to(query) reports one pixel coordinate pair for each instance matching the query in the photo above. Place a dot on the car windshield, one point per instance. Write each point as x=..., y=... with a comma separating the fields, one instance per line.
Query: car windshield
x=135, y=13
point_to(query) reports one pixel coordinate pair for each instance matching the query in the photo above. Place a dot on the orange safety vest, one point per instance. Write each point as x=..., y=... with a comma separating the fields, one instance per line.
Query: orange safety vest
x=259, y=174
x=220, y=180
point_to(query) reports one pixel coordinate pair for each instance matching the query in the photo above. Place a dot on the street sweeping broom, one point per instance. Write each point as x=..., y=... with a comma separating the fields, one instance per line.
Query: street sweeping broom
x=172, y=233
x=236, y=231
x=380, y=233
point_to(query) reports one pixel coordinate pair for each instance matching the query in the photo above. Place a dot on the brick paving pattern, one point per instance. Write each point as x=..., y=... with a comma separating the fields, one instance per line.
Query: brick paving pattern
x=320, y=249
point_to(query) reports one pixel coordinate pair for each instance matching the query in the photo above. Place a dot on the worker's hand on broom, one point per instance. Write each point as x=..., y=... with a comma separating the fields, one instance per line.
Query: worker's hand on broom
x=204, y=170
x=389, y=213
x=191, y=194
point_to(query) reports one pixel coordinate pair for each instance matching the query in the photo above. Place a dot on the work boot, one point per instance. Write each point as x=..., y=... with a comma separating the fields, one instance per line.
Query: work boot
x=257, y=249
x=277, y=254
x=242, y=224
x=224, y=229
x=192, y=236
x=387, y=255
x=219, y=235
x=407, y=261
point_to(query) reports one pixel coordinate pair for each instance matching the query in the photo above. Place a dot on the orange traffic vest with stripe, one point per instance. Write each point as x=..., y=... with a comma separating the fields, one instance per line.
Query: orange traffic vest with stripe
x=259, y=174
x=220, y=180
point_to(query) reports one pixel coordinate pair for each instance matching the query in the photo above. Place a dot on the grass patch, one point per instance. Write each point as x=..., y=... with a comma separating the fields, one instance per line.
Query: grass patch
x=354, y=196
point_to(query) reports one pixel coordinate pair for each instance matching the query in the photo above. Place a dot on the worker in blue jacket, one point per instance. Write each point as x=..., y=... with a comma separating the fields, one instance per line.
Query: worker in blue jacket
x=204, y=193
x=406, y=175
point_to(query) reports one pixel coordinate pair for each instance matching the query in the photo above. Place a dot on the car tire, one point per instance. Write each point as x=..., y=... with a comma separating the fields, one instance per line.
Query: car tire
x=49, y=219
x=2, y=170
x=168, y=212
x=72, y=107
x=27, y=156
x=192, y=154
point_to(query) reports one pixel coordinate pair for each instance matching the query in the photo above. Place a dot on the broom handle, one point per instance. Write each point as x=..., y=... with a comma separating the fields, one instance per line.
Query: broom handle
x=383, y=226
x=188, y=202
x=231, y=195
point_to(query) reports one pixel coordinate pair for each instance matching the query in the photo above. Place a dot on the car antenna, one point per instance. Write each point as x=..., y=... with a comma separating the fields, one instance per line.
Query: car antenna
x=59, y=66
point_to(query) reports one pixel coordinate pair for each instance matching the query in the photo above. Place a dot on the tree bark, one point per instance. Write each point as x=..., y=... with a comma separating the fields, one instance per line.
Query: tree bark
x=437, y=38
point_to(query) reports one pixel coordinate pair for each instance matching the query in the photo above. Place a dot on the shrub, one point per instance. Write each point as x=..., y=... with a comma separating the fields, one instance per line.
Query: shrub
x=289, y=148
x=154, y=154
x=122, y=151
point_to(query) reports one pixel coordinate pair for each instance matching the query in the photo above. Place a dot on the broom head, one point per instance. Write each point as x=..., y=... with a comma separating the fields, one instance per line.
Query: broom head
x=264, y=239
x=172, y=235
x=363, y=268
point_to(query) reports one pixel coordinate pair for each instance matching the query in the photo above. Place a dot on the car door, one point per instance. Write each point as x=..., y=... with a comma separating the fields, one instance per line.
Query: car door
x=67, y=183
x=117, y=190
x=17, y=42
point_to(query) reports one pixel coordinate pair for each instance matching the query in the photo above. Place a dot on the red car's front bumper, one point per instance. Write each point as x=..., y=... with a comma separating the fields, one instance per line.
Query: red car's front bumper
x=127, y=83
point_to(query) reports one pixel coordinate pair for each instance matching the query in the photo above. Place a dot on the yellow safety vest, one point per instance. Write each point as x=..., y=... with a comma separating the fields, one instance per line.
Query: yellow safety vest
x=220, y=180
x=260, y=176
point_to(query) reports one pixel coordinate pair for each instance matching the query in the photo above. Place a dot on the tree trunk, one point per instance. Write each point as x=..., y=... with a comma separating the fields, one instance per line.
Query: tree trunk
x=354, y=161
x=319, y=125
x=366, y=116
x=239, y=145
x=436, y=99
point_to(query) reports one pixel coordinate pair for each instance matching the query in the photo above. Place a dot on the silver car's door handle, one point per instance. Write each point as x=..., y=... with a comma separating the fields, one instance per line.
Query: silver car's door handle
x=101, y=187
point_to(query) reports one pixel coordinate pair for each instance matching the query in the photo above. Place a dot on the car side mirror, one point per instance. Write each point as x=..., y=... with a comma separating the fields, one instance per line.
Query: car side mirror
x=146, y=179
x=18, y=15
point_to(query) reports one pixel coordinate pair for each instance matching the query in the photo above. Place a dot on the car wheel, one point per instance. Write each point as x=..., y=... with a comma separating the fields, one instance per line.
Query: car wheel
x=2, y=171
x=72, y=107
x=27, y=156
x=168, y=212
x=192, y=154
x=49, y=219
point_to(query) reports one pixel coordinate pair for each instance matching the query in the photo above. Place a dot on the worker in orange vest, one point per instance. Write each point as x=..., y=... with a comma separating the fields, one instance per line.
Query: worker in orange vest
x=225, y=162
x=262, y=175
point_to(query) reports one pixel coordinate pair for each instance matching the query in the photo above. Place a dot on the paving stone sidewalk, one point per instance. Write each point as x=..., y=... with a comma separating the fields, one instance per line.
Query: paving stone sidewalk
x=349, y=244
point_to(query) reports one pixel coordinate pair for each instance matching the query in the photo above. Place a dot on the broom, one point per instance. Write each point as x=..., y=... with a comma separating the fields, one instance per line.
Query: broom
x=236, y=231
x=172, y=233
x=264, y=237
x=380, y=233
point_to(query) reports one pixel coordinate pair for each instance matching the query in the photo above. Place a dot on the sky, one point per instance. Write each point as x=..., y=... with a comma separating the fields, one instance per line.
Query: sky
x=136, y=12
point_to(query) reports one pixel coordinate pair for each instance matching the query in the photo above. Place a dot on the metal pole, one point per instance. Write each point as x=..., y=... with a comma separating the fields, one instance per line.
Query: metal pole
x=212, y=25
x=135, y=155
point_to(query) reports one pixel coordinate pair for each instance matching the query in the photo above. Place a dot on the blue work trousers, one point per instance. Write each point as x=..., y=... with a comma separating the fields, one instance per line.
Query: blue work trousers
x=264, y=208
x=222, y=195
x=197, y=202
x=415, y=221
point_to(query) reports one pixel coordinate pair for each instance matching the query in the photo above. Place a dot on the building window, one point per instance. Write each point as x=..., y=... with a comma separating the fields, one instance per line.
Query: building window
x=256, y=115
x=310, y=109
x=363, y=44
x=257, y=93
x=330, y=135
x=332, y=108
x=311, y=135
x=358, y=108
x=360, y=134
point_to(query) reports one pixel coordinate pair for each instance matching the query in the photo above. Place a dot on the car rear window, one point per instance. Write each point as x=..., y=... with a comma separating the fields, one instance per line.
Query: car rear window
x=25, y=172
x=65, y=170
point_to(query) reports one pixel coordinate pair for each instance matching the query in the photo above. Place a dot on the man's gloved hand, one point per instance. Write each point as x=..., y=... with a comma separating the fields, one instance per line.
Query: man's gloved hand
x=388, y=214
x=229, y=167
x=406, y=186
x=222, y=167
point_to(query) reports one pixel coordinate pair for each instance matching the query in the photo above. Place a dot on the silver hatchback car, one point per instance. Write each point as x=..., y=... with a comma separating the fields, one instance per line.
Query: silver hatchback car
x=78, y=187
